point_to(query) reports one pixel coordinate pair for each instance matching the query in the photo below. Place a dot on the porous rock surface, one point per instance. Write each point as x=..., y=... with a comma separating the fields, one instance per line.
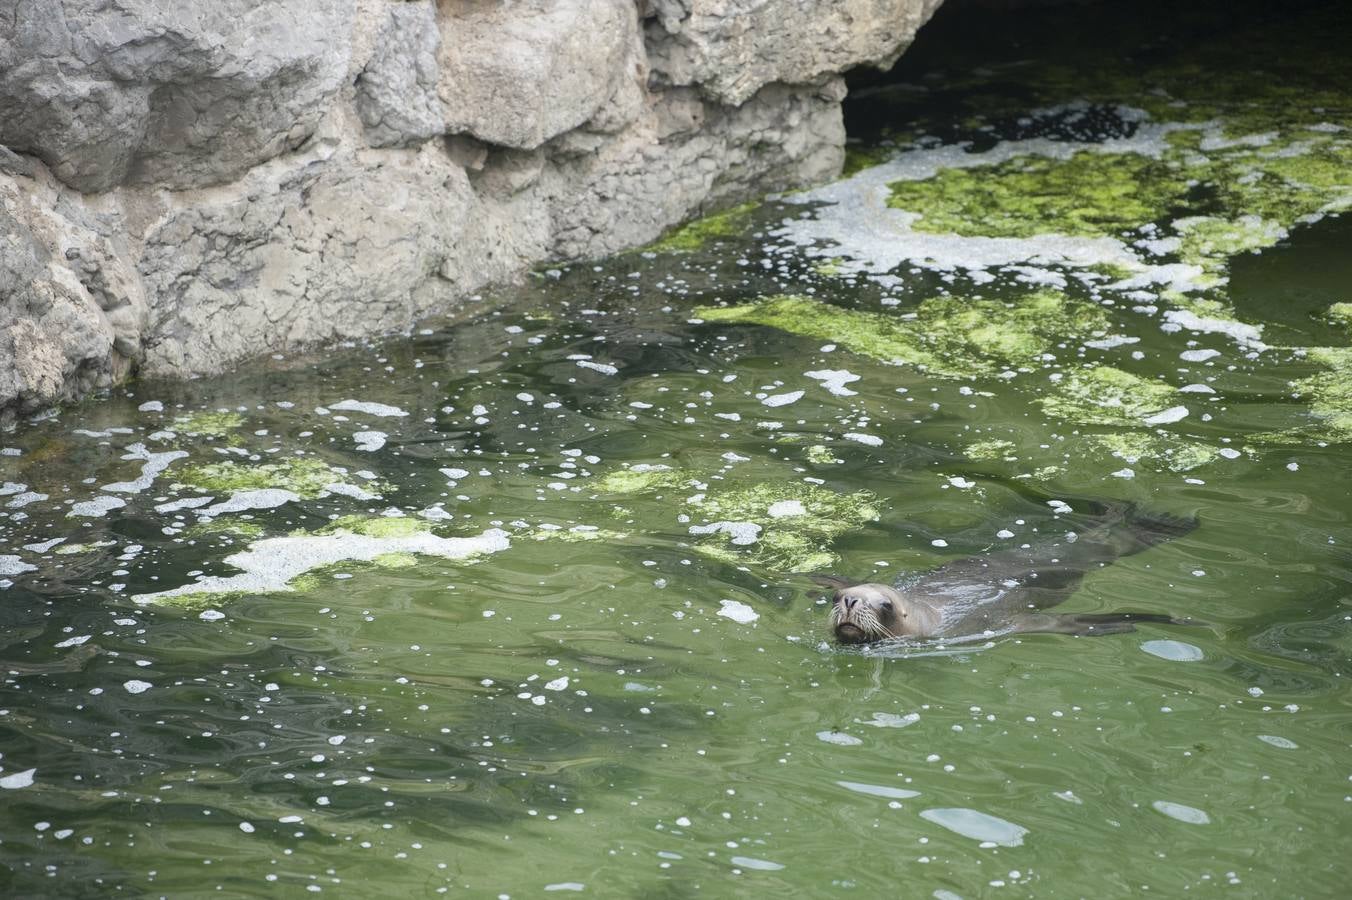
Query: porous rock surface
x=186, y=185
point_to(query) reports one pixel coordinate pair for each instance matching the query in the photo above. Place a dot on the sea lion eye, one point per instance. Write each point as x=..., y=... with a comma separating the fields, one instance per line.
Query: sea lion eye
x=886, y=606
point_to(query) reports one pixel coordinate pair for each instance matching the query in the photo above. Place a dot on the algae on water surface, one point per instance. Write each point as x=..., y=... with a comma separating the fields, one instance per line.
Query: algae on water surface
x=946, y=336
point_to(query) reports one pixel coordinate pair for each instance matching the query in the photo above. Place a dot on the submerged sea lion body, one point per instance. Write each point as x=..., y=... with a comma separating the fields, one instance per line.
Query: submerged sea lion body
x=1003, y=593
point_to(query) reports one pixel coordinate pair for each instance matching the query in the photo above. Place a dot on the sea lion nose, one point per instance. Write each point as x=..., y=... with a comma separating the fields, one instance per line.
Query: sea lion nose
x=848, y=602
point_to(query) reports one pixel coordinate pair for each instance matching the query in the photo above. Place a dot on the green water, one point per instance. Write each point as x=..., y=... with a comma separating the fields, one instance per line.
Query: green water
x=586, y=703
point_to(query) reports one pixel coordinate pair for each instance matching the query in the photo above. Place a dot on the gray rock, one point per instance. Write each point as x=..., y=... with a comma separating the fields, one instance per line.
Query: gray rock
x=69, y=322
x=166, y=93
x=733, y=48
x=518, y=74
x=687, y=157
x=260, y=175
x=396, y=93
x=318, y=250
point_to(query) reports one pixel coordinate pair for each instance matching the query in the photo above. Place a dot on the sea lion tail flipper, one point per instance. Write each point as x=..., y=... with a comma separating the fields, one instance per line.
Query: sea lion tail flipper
x=1156, y=528
x=1127, y=529
x=1094, y=624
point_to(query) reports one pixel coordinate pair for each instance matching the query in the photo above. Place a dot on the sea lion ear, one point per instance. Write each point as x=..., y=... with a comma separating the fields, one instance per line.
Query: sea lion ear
x=835, y=582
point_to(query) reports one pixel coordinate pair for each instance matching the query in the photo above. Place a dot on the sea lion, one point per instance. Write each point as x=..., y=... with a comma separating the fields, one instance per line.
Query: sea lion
x=1003, y=593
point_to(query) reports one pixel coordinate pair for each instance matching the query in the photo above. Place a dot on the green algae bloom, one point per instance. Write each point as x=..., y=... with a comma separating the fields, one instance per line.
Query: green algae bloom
x=987, y=450
x=376, y=526
x=1090, y=194
x=694, y=235
x=305, y=476
x=821, y=455
x=797, y=522
x=859, y=157
x=1107, y=396
x=947, y=337
x=576, y=534
x=1341, y=314
x=1330, y=392
x=1156, y=450
x=72, y=549
x=881, y=337
x=217, y=423
x=233, y=527
x=1260, y=187
x=1329, y=395
x=1209, y=241
x=641, y=478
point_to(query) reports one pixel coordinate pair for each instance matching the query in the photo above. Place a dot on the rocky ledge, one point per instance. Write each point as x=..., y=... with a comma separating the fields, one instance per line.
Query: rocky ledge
x=186, y=185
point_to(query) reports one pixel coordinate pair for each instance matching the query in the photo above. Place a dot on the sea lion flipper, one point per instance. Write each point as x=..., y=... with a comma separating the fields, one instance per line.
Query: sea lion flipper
x=1093, y=624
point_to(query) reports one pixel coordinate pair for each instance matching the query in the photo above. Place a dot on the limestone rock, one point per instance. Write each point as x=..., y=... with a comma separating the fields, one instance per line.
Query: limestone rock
x=172, y=94
x=396, y=93
x=71, y=310
x=733, y=48
x=518, y=74
x=691, y=155
x=317, y=250
x=186, y=185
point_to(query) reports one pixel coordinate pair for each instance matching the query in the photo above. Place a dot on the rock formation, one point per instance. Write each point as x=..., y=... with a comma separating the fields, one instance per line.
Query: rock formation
x=185, y=185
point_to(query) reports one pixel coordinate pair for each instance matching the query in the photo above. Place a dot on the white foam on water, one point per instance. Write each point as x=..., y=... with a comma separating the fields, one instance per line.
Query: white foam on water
x=1108, y=343
x=737, y=611
x=1176, y=651
x=13, y=565
x=1168, y=416
x=839, y=738
x=750, y=862
x=1276, y=741
x=742, y=533
x=155, y=463
x=786, y=508
x=96, y=508
x=603, y=368
x=371, y=409
x=17, y=780
x=1244, y=333
x=877, y=790
x=976, y=825
x=1198, y=355
x=890, y=720
x=783, y=399
x=269, y=565
x=244, y=501
x=186, y=503
x=370, y=441
x=1190, y=814
x=834, y=380
x=866, y=439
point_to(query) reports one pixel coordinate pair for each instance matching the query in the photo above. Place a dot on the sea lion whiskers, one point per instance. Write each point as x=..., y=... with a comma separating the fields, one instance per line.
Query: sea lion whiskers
x=868, y=612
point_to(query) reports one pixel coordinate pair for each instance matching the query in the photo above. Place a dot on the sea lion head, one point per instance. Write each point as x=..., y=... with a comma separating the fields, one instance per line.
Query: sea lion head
x=862, y=613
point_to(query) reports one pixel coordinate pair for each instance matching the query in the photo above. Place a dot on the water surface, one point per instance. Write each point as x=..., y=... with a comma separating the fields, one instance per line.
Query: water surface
x=563, y=637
